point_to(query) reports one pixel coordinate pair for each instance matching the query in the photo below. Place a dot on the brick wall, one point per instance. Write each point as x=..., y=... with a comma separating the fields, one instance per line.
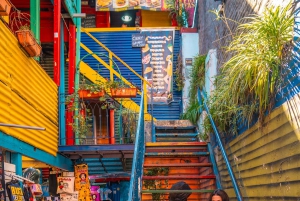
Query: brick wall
x=215, y=34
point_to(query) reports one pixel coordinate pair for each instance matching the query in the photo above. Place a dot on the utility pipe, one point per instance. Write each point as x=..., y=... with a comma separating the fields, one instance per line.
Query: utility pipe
x=22, y=126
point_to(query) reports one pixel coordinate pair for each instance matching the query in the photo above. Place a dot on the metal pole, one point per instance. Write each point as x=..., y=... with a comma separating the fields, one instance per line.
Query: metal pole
x=152, y=121
x=22, y=126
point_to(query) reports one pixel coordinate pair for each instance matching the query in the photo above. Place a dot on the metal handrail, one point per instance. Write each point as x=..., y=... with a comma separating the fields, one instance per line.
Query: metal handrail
x=223, y=151
x=114, y=55
x=138, y=158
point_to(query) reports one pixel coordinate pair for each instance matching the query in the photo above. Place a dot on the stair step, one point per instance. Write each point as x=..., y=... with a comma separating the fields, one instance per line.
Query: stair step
x=182, y=135
x=179, y=177
x=202, y=153
x=177, y=144
x=175, y=127
x=176, y=139
x=177, y=191
x=179, y=165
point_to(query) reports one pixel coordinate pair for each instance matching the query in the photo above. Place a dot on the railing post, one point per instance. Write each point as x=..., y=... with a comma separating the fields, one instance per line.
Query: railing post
x=111, y=75
x=223, y=151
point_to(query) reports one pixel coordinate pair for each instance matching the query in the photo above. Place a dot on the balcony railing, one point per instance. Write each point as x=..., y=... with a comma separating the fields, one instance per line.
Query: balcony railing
x=102, y=122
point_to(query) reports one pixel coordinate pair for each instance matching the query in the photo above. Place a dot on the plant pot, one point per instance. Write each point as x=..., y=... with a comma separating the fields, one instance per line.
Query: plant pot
x=123, y=92
x=29, y=43
x=87, y=94
x=5, y=7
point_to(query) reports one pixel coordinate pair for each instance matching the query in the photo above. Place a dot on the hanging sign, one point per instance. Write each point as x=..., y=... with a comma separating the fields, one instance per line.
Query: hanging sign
x=157, y=60
x=2, y=177
x=138, y=40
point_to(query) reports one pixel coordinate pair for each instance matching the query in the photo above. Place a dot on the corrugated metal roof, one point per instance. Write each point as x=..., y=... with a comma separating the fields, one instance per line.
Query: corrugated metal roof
x=119, y=42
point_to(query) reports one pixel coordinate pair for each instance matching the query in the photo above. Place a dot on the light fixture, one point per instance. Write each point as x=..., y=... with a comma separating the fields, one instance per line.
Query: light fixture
x=126, y=18
x=79, y=15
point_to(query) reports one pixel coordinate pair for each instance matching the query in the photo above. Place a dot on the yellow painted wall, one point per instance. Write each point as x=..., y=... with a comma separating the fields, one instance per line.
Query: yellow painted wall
x=267, y=161
x=155, y=19
x=28, y=96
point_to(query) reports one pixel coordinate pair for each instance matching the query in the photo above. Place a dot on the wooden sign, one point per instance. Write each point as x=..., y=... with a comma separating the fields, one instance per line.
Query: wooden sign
x=138, y=40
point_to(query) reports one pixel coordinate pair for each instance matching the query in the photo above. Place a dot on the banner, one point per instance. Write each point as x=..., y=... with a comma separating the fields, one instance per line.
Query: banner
x=121, y=5
x=157, y=60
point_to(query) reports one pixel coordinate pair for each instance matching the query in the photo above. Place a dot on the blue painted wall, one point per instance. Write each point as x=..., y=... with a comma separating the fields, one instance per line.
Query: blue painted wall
x=120, y=44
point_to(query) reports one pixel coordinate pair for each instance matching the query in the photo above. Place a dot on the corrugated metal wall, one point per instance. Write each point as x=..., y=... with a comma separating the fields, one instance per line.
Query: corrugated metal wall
x=266, y=162
x=28, y=96
x=119, y=42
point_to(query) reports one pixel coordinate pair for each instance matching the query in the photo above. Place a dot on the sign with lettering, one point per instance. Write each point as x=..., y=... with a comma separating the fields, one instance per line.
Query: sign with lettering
x=157, y=59
x=89, y=21
x=188, y=61
x=138, y=40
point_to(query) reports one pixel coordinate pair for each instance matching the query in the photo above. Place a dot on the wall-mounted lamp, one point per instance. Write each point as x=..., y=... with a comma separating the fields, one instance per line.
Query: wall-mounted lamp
x=126, y=18
x=79, y=15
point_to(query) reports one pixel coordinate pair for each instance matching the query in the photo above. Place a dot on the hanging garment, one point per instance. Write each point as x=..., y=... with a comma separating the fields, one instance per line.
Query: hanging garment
x=27, y=193
x=36, y=189
x=14, y=191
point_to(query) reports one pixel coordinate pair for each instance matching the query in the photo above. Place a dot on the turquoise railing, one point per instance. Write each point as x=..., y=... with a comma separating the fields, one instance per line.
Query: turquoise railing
x=202, y=95
x=138, y=158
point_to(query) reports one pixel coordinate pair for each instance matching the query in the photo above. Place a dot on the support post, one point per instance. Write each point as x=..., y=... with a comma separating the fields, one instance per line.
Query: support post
x=62, y=118
x=72, y=53
x=35, y=18
x=77, y=72
x=56, y=48
x=112, y=139
x=16, y=158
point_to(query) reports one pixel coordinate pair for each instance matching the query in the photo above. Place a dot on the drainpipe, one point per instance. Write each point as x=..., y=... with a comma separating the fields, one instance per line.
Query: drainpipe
x=62, y=118
x=77, y=72
x=35, y=17
x=56, y=48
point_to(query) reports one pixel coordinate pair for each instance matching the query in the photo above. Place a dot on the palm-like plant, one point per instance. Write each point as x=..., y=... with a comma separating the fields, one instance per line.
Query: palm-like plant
x=248, y=81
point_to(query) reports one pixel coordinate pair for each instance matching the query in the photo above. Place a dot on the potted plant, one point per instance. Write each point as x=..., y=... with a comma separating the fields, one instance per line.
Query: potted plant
x=28, y=42
x=91, y=91
x=5, y=7
x=119, y=90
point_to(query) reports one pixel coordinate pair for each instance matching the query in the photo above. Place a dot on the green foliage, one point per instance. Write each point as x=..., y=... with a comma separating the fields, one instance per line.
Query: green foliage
x=197, y=81
x=197, y=76
x=129, y=124
x=192, y=112
x=156, y=184
x=247, y=82
x=178, y=12
x=179, y=79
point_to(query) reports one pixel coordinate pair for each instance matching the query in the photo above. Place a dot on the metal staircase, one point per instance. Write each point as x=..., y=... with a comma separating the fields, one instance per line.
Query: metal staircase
x=177, y=156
